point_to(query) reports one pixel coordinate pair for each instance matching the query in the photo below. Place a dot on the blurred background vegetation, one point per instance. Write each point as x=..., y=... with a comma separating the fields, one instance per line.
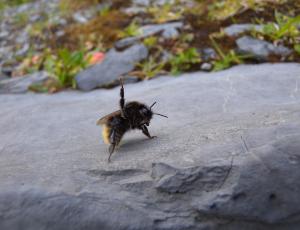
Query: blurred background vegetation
x=66, y=48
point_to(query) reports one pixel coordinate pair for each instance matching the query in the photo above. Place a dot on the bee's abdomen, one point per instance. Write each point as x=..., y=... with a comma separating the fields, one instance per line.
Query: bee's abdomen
x=116, y=135
x=114, y=130
x=112, y=134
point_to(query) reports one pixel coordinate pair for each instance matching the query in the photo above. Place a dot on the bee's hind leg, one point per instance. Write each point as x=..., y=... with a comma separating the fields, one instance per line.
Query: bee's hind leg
x=115, y=139
x=146, y=132
x=111, y=149
x=112, y=140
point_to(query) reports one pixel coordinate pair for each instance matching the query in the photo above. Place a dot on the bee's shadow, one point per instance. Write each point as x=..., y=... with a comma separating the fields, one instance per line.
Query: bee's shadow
x=134, y=145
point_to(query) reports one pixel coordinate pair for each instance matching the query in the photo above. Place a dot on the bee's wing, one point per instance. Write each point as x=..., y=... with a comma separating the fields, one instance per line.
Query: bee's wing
x=104, y=119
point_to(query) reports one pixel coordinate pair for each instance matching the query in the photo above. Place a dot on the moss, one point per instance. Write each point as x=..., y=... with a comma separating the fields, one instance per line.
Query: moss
x=73, y=5
x=4, y=3
x=106, y=28
x=21, y=19
x=166, y=12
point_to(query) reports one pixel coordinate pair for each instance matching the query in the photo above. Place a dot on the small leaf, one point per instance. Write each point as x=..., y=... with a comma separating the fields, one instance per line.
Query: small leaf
x=297, y=48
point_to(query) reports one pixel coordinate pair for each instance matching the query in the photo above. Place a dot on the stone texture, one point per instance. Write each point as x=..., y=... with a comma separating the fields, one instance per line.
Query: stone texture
x=236, y=29
x=260, y=49
x=3, y=77
x=113, y=66
x=16, y=25
x=83, y=16
x=135, y=10
x=167, y=30
x=245, y=199
x=152, y=2
x=127, y=42
x=208, y=54
x=21, y=84
x=206, y=66
x=228, y=157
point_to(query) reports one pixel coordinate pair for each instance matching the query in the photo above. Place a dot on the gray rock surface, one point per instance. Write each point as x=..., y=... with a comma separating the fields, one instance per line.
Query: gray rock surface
x=3, y=77
x=7, y=71
x=167, y=30
x=141, y=6
x=206, y=66
x=16, y=23
x=260, y=49
x=280, y=158
x=236, y=29
x=151, y=2
x=228, y=157
x=208, y=54
x=113, y=66
x=21, y=84
x=83, y=16
x=135, y=10
x=127, y=42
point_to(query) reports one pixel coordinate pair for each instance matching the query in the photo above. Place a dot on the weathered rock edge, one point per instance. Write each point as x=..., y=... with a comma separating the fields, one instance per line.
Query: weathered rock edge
x=260, y=195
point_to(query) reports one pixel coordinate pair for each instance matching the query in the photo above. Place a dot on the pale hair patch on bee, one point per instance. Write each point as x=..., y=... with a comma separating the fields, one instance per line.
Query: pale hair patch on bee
x=105, y=134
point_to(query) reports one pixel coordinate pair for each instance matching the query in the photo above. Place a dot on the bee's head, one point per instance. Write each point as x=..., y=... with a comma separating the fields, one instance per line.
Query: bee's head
x=146, y=114
x=140, y=114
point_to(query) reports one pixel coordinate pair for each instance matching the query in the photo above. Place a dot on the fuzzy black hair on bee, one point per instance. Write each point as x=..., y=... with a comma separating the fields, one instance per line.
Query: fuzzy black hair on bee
x=132, y=115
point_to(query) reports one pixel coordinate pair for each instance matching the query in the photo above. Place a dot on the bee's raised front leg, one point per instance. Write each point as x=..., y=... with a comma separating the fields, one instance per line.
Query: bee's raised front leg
x=122, y=99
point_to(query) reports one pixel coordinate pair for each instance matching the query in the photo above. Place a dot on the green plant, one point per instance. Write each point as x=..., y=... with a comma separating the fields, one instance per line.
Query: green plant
x=285, y=27
x=132, y=30
x=2, y=7
x=183, y=61
x=166, y=12
x=150, y=68
x=186, y=37
x=13, y=2
x=226, y=60
x=36, y=29
x=65, y=65
x=21, y=19
x=297, y=48
x=224, y=9
x=105, y=10
x=150, y=41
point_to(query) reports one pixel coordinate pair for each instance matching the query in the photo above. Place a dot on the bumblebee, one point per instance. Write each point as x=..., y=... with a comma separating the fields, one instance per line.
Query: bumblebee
x=132, y=115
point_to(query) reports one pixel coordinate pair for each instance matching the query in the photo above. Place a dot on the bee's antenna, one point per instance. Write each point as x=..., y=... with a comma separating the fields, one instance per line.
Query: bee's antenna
x=152, y=105
x=160, y=115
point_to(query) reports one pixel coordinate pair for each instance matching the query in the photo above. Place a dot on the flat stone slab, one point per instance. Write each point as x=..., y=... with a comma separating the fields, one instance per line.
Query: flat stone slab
x=260, y=49
x=236, y=29
x=167, y=30
x=22, y=84
x=228, y=157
